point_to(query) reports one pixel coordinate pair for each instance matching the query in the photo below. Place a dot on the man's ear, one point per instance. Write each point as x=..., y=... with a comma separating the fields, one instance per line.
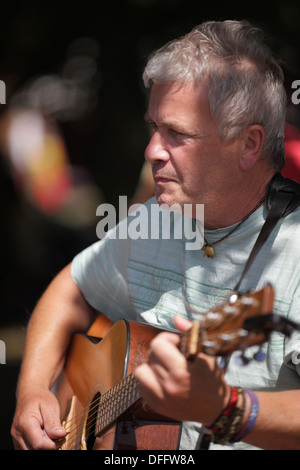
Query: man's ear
x=254, y=139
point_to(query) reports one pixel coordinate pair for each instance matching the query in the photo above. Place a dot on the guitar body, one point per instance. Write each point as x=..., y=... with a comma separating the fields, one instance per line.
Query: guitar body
x=92, y=369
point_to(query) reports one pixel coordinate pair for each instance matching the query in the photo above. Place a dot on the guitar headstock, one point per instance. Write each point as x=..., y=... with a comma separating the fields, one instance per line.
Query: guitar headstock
x=237, y=323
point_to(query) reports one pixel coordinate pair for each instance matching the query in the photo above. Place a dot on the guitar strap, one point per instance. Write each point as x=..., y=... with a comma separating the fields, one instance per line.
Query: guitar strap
x=283, y=196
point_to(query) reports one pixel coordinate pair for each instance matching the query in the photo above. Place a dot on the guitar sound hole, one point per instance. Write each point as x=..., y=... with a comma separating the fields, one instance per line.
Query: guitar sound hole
x=91, y=422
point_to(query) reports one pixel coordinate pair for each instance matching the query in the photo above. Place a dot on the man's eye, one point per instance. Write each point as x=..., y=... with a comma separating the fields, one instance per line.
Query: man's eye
x=177, y=133
x=153, y=126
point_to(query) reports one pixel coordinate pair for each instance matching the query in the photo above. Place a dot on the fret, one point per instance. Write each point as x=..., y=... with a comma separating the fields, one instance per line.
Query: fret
x=115, y=402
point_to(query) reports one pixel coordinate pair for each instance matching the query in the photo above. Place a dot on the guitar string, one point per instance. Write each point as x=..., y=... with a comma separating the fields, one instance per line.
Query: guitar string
x=76, y=422
x=93, y=412
x=104, y=398
x=79, y=419
x=92, y=421
x=83, y=412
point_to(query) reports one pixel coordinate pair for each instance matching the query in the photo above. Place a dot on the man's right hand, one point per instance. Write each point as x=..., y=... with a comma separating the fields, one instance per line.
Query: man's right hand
x=36, y=424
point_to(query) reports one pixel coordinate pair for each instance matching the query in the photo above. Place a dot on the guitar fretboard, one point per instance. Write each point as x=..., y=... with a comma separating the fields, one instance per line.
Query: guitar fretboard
x=115, y=402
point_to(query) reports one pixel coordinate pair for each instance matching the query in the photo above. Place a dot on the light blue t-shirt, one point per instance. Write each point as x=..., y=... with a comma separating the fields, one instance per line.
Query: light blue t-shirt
x=144, y=280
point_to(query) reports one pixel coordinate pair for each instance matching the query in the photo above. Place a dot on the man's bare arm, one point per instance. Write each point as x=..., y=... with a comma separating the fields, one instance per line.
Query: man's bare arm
x=61, y=312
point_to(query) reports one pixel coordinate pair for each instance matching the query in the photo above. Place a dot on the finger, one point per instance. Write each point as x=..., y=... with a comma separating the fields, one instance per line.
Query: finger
x=46, y=431
x=150, y=387
x=52, y=425
x=19, y=444
x=29, y=437
x=148, y=382
x=164, y=352
x=34, y=438
x=181, y=323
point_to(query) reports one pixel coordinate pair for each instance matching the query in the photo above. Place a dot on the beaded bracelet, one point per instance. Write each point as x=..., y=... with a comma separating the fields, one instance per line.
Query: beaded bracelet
x=226, y=425
x=249, y=425
x=234, y=423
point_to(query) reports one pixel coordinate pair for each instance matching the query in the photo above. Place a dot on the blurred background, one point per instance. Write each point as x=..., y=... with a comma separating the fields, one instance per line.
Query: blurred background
x=72, y=133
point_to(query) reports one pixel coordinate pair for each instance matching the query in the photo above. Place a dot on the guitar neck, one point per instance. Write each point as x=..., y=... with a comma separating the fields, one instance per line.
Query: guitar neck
x=115, y=402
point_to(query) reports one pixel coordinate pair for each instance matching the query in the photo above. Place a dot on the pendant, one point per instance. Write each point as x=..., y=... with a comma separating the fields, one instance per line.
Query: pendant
x=208, y=251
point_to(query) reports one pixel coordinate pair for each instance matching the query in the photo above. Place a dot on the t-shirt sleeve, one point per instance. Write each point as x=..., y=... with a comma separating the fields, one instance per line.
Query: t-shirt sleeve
x=100, y=272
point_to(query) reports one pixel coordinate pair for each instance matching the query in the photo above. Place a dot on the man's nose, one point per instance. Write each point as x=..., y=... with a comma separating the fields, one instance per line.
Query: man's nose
x=156, y=149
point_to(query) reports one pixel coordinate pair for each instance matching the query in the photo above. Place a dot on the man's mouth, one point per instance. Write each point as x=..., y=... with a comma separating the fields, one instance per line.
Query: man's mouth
x=162, y=179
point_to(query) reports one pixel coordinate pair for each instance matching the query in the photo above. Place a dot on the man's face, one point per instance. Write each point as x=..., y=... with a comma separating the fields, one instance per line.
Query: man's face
x=190, y=163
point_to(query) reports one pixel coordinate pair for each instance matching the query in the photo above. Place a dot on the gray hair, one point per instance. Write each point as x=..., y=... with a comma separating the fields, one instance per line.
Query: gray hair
x=246, y=81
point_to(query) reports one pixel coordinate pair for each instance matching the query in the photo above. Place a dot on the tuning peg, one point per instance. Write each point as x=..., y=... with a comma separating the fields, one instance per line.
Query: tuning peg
x=242, y=360
x=223, y=362
x=260, y=355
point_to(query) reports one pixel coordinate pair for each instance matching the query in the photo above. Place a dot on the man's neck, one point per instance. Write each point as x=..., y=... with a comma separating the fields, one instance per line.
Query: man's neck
x=239, y=205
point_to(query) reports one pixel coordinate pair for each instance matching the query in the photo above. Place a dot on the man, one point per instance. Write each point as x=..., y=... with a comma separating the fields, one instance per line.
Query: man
x=216, y=109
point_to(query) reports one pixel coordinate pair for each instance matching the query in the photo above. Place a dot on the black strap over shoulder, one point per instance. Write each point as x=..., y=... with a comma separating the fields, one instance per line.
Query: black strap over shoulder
x=280, y=186
x=283, y=196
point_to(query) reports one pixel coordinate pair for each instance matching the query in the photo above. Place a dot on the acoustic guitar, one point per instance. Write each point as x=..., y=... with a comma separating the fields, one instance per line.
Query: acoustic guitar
x=99, y=396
